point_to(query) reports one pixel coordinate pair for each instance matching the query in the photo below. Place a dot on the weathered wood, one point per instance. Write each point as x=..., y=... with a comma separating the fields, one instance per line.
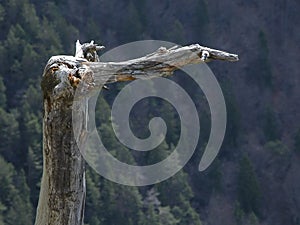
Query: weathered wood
x=162, y=62
x=62, y=194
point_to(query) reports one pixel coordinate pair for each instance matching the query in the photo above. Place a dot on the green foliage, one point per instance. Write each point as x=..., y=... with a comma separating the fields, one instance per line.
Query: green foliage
x=151, y=216
x=49, y=38
x=169, y=114
x=132, y=26
x=186, y=214
x=31, y=32
x=34, y=172
x=242, y=218
x=249, y=194
x=151, y=208
x=177, y=187
x=154, y=213
x=9, y=135
x=181, y=193
x=239, y=213
x=175, y=33
x=277, y=147
x=211, y=179
x=122, y=204
x=167, y=218
x=2, y=13
x=2, y=209
x=2, y=94
x=93, y=31
x=14, y=194
x=102, y=112
x=31, y=21
x=253, y=219
x=93, y=199
x=207, y=182
x=67, y=34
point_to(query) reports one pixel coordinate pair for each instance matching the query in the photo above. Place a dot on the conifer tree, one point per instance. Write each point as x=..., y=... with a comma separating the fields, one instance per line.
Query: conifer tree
x=249, y=193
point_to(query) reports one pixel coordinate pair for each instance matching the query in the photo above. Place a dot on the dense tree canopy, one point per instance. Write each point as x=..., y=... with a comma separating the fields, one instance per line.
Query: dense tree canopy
x=33, y=30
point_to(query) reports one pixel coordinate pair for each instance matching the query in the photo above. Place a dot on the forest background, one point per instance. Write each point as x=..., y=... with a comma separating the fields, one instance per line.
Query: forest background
x=255, y=178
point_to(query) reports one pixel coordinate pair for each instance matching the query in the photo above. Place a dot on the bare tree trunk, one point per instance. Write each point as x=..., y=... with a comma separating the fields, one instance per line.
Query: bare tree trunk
x=62, y=194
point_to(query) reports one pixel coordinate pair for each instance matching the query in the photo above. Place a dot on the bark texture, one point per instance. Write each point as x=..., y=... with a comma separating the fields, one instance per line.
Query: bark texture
x=62, y=194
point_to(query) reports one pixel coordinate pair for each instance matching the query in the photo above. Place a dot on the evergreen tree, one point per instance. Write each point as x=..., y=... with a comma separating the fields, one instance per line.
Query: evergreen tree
x=9, y=136
x=93, y=206
x=2, y=94
x=239, y=213
x=21, y=211
x=169, y=114
x=30, y=22
x=14, y=194
x=31, y=139
x=2, y=210
x=150, y=216
x=151, y=207
x=49, y=41
x=121, y=204
x=2, y=13
x=176, y=193
x=132, y=27
x=156, y=214
x=278, y=148
x=67, y=32
x=34, y=173
x=175, y=33
x=249, y=194
x=31, y=32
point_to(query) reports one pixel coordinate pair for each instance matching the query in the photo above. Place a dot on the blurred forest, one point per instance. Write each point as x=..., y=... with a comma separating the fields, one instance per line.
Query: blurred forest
x=254, y=180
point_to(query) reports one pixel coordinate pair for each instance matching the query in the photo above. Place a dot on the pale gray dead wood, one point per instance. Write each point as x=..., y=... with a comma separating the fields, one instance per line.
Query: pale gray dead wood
x=162, y=62
x=62, y=194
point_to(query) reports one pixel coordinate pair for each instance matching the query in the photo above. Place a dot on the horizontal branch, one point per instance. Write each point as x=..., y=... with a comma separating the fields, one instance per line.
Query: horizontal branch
x=162, y=62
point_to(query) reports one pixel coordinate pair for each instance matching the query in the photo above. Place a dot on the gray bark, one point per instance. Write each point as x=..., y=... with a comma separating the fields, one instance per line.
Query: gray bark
x=62, y=194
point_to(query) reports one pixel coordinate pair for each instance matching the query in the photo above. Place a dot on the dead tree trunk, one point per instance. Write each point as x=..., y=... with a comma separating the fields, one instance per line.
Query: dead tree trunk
x=62, y=194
